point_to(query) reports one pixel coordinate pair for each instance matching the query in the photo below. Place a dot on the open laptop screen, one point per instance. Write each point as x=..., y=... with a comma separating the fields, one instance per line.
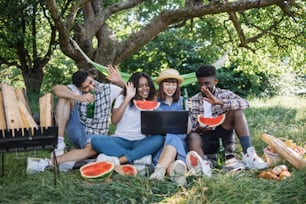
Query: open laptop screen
x=162, y=122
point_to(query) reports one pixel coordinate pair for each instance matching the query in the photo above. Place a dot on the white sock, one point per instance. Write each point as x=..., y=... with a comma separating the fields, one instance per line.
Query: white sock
x=60, y=138
x=60, y=142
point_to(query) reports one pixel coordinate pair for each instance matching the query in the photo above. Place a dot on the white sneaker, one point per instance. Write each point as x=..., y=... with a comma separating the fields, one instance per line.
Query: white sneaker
x=206, y=168
x=158, y=174
x=233, y=164
x=147, y=160
x=253, y=161
x=196, y=165
x=141, y=169
x=178, y=172
x=35, y=165
x=104, y=157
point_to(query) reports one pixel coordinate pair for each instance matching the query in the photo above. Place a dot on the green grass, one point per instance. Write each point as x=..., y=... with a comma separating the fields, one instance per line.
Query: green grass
x=281, y=116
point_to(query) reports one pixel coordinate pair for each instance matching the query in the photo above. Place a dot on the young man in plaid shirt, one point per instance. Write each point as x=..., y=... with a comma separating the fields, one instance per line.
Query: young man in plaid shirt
x=71, y=116
x=210, y=102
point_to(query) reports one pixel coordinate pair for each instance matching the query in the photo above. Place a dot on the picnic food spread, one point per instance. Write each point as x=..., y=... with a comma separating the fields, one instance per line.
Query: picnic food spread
x=211, y=122
x=289, y=143
x=279, y=172
x=146, y=105
x=294, y=156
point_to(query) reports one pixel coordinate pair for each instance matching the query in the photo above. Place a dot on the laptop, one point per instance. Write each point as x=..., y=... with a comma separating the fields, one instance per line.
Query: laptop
x=162, y=122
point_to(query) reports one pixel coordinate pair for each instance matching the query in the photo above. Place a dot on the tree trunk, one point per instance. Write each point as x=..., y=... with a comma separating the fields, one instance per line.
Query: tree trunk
x=33, y=80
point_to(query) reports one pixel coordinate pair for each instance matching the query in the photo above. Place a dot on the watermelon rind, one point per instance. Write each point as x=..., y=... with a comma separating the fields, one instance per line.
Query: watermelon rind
x=144, y=105
x=98, y=176
x=211, y=122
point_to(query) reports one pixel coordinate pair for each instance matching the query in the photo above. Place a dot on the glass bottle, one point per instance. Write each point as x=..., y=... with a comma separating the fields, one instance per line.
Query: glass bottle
x=221, y=154
x=90, y=108
x=185, y=99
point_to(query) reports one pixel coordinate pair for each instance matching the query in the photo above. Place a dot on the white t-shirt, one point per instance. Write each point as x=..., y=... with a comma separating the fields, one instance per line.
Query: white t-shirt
x=115, y=90
x=207, y=109
x=74, y=89
x=129, y=127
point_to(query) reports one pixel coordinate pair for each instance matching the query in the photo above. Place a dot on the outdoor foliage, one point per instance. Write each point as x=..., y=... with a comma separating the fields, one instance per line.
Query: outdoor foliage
x=281, y=116
x=58, y=71
x=152, y=35
x=27, y=40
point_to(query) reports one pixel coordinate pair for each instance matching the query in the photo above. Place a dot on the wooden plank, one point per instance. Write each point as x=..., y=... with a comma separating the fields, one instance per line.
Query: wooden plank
x=20, y=95
x=26, y=116
x=2, y=115
x=13, y=119
x=45, y=110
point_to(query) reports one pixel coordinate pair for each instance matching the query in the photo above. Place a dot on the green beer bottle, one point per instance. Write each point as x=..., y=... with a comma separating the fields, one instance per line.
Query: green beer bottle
x=185, y=99
x=221, y=154
x=90, y=108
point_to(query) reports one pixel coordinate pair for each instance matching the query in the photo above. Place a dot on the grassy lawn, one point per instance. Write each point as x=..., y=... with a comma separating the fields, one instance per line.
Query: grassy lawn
x=281, y=116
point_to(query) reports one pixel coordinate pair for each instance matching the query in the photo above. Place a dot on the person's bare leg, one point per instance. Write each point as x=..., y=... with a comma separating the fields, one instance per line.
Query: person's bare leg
x=165, y=160
x=167, y=157
x=194, y=143
x=63, y=109
x=77, y=154
x=235, y=120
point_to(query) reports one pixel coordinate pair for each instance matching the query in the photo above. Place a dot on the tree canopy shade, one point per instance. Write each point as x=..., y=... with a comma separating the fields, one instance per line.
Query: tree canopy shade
x=111, y=31
x=27, y=39
x=114, y=32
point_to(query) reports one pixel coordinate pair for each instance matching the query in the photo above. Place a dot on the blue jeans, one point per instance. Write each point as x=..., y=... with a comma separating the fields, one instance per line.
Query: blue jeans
x=75, y=130
x=178, y=142
x=132, y=150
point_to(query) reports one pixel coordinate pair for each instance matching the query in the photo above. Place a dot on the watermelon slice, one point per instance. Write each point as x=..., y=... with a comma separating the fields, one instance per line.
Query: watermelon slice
x=97, y=170
x=127, y=170
x=211, y=122
x=146, y=105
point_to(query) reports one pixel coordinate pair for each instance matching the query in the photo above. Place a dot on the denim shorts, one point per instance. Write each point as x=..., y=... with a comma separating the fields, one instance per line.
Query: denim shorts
x=75, y=130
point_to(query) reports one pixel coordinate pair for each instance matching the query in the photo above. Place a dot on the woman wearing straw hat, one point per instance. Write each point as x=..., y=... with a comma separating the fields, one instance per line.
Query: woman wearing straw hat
x=171, y=158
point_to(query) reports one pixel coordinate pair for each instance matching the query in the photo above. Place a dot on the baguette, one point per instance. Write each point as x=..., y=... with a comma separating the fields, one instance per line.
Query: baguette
x=284, y=151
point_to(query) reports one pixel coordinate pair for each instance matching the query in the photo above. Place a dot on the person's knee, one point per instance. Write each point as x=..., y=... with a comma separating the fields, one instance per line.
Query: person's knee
x=233, y=114
x=239, y=113
x=64, y=101
x=233, y=117
x=98, y=139
x=193, y=138
x=99, y=142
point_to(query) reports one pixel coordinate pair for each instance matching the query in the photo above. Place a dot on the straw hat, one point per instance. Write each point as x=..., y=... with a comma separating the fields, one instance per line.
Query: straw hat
x=169, y=74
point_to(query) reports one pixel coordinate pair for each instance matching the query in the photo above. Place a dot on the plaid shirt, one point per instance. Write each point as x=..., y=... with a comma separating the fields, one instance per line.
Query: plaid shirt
x=100, y=121
x=231, y=102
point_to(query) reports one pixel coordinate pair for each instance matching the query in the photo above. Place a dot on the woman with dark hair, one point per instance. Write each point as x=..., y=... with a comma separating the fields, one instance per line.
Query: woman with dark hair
x=128, y=144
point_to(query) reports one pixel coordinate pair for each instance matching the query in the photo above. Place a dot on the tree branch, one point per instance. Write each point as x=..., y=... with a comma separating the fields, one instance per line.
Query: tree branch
x=166, y=18
x=62, y=28
x=52, y=42
x=158, y=24
x=234, y=19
